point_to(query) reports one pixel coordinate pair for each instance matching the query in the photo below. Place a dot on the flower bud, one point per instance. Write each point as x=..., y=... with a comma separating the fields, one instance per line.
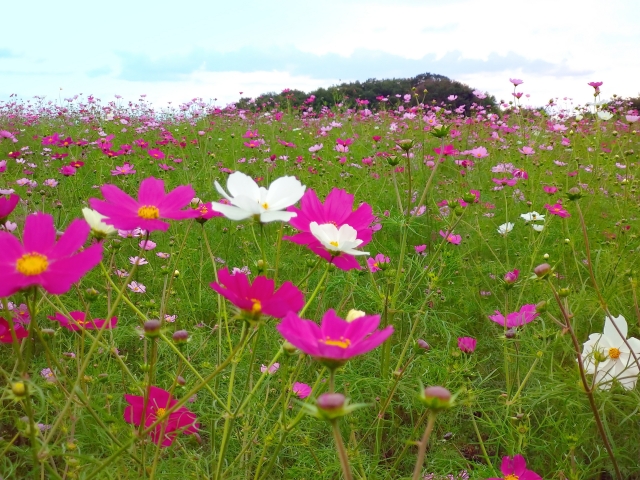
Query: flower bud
x=511, y=333
x=440, y=131
x=564, y=292
x=19, y=389
x=353, y=314
x=541, y=306
x=542, y=270
x=181, y=381
x=406, y=144
x=574, y=193
x=48, y=331
x=289, y=348
x=422, y=346
x=91, y=294
x=330, y=405
x=393, y=160
x=152, y=328
x=469, y=198
x=180, y=336
x=436, y=398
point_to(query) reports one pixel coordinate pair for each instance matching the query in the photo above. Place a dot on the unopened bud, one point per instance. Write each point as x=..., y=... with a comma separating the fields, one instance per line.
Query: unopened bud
x=353, y=314
x=152, y=328
x=574, y=193
x=393, y=160
x=181, y=381
x=511, y=333
x=542, y=270
x=91, y=294
x=564, y=292
x=436, y=398
x=405, y=144
x=541, y=306
x=19, y=389
x=180, y=336
x=422, y=345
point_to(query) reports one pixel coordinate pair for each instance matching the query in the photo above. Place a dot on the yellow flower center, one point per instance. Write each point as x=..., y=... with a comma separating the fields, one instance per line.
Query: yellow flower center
x=257, y=306
x=149, y=212
x=511, y=476
x=334, y=243
x=161, y=412
x=31, y=264
x=342, y=343
x=265, y=205
x=614, y=353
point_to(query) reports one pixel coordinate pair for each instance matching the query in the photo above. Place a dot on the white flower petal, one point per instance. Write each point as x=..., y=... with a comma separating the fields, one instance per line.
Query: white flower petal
x=266, y=217
x=229, y=211
x=610, y=330
x=239, y=183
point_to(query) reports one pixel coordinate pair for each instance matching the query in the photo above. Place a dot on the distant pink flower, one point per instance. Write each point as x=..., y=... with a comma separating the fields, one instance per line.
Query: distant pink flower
x=250, y=134
x=525, y=315
x=337, y=210
x=137, y=287
x=511, y=277
x=315, y=148
x=40, y=260
x=505, y=181
x=550, y=190
x=374, y=263
x=156, y=153
x=148, y=412
x=451, y=238
x=77, y=321
x=126, y=169
x=258, y=298
x=557, y=209
x=147, y=244
x=67, y=171
x=478, y=152
x=526, y=151
x=632, y=118
x=126, y=213
x=18, y=327
x=271, y=370
x=420, y=249
x=467, y=344
x=447, y=150
x=516, y=81
x=302, y=390
x=334, y=341
x=595, y=85
x=516, y=468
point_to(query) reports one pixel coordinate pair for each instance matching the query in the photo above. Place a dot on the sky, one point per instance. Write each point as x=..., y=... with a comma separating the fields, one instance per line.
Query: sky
x=213, y=49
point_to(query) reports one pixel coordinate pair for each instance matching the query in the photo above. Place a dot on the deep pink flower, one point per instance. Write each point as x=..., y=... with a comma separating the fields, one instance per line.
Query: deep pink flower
x=157, y=404
x=43, y=261
x=337, y=210
x=516, y=319
x=77, y=321
x=595, y=85
x=516, y=468
x=205, y=212
x=447, y=150
x=251, y=134
x=451, y=238
x=505, y=181
x=7, y=205
x=126, y=213
x=335, y=341
x=557, y=209
x=302, y=390
x=511, y=277
x=550, y=190
x=374, y=263
x=467, y=344
x=259, y=297
x=67, y=171
x=18, y=328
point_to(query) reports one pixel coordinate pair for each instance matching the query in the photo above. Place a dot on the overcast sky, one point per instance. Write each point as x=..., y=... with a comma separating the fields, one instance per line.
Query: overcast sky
x=175, y=51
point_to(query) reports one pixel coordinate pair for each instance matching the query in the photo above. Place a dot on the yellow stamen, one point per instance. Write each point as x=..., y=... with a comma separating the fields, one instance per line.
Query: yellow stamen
x=265, y=205
x=335, y=244
x=31, y=264
x=511, y=476
x=149, y=212
x=342, y=343
x=614, y=353
x=161, y=412
x=257, y=306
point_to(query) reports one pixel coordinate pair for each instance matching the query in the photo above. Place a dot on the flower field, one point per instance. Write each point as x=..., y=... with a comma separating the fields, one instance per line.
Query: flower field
x=421, y=291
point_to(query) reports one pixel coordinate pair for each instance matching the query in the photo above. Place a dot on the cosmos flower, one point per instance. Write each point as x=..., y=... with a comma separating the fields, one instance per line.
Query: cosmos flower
x=505, y=228
x=334, y=341
x=557, y=209
x=526, y=314
x=138, y=411
x=467, y=344
x=451, y=238
x=608, y=357
x=337, y=241
x=126, y=213
x=18, y=327
x=302, y=390
x=258, y=298
x=516, y=469
x=40, y=260
x=532, y=217
x=78, y=321
x=247, y=199
x=96, y=223
x=375, y=263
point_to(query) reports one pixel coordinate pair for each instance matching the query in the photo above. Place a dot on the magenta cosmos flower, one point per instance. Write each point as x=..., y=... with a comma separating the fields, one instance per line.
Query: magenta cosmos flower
x=516, y=469
x=18, y=328
x=126, y=213
x=7, y=205
x=338, y=211
x=525, y=315
x=78, y=320
x=557, y=209
x=451, y=238
x=336, y=340
x=467, y=344
x=40, y=260
x=158, y=403
x=258, y=298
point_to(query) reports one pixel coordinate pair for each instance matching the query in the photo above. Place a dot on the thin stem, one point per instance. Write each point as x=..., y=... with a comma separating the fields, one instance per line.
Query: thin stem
x=422, y=445
x=342, y=451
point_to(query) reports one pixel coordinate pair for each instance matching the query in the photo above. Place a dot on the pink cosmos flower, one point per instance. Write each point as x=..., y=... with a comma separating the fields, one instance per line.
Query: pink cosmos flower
x=595, y=85
x=550, y=190
x=511, y=277
x=447, y=150
x=250, y=134
x=335, y=341
x=302, y=390
x=271, y=370
x=478, y=152
x=126, y=213
x=420, y=249
x=40, y=260
x=126, y=169
x=526, y=151
x=136, y=287
x=374, y=263
x=516, y=81
x=259, y=297
x=451, y=238
x=467, y=344
x=147, y=244
x=159, y=401
x=516, y=468
x=557, y=209
x=205, y=212
x=632, y=118
x=78, y=321
x=525, y=315
x=337, y=210
x=67, y=171
x=156, y=153
x=7, y=205
x=18, y=327
x=505, y=181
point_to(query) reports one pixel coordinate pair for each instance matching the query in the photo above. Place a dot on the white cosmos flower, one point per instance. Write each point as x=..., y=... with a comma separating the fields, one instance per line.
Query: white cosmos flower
x=95, y=221
x=250, y=200
x=608, y=357
x=336, y=240
x=532, y=217
x=537, y=228
x=505, y=228
x=605, y=115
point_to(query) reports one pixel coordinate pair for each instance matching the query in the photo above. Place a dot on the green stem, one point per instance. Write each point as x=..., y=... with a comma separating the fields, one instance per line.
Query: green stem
x=342, y=451
x=316, y=291
x=422, y=445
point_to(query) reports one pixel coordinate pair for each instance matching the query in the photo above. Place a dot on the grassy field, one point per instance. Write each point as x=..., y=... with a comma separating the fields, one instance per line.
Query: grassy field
x=521, y=213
